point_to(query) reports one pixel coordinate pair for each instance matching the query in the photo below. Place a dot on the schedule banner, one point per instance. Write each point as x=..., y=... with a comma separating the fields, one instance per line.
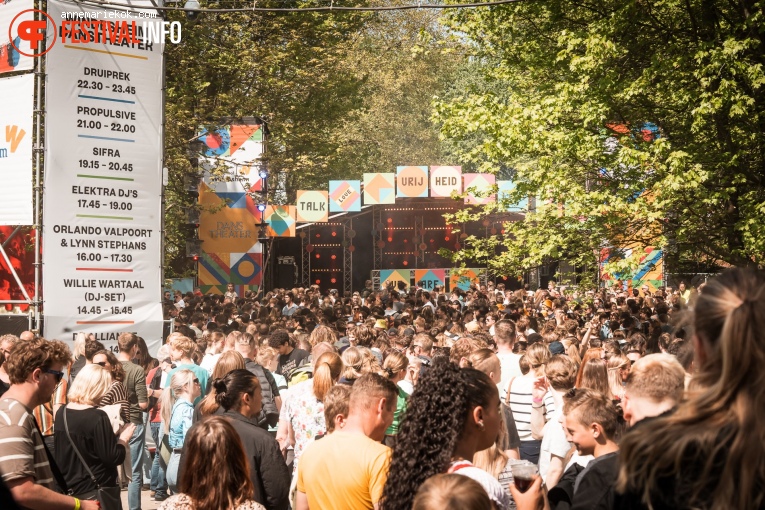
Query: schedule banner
x=102, y=238
x=17, y=96
x=15, y=12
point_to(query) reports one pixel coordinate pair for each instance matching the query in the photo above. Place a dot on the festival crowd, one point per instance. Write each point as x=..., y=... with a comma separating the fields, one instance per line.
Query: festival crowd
x=396, y=399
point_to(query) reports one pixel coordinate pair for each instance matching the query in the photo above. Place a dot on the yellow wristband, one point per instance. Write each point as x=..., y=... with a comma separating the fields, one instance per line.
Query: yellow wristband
x=76, y=504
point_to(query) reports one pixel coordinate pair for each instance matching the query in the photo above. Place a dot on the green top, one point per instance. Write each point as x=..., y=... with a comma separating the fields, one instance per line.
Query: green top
x=398, y=415
x=135, y=384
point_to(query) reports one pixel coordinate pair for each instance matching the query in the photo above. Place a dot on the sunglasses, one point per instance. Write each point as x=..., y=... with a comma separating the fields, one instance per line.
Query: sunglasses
x=102, y=363
x=196, y=381
x=58, y=375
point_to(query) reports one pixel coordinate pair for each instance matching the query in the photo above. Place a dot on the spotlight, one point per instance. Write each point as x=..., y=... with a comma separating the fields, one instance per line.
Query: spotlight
x=192, y=9
x=262, y=207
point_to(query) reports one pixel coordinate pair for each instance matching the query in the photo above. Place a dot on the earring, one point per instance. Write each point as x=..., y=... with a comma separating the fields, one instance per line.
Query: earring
x=481, y=425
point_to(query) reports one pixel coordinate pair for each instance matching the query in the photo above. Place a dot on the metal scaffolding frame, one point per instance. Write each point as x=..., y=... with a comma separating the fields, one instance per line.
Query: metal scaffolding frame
x=305, y=262
x=377, y=237
x=348, y=235
x=419, y=238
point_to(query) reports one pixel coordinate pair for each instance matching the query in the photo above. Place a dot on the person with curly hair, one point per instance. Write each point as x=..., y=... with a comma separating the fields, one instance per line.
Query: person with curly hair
x=452, y=414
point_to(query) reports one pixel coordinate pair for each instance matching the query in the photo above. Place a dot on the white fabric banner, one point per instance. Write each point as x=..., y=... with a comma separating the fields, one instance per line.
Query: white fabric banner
x=16, y=116
x=10, y=57
x=102, y=246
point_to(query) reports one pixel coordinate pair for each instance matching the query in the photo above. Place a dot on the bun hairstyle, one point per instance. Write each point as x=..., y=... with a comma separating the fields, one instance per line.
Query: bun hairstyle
x=395, y=363
x=229, y=390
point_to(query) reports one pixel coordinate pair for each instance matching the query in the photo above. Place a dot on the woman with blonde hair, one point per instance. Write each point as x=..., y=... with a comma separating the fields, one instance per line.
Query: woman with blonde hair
x=322, y=334
x=84, y=439
x=303, y=412
x=395, y=366
x=709, y=453
x=216, y=474
x=358, y=361
x=177, y=415
x=78, y=355
x=618, y=370
x=521, y=401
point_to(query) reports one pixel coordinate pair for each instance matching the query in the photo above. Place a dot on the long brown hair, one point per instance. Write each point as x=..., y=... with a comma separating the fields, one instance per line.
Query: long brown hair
x=228, y=362
x=216, y=474
x=719, y=427
x=326, y=372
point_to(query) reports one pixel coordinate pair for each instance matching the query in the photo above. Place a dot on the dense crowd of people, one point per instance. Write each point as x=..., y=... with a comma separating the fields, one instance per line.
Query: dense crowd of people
x=396, y=399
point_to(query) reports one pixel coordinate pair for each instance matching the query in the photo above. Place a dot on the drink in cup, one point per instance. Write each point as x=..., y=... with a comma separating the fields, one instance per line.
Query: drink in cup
x=523, y=475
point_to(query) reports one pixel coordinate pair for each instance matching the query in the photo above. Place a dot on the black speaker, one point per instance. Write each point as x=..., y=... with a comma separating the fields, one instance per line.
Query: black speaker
x=13, y=324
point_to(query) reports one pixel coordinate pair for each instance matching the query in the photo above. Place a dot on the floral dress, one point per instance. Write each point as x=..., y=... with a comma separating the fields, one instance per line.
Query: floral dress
x=183, y=502
x=305, y=415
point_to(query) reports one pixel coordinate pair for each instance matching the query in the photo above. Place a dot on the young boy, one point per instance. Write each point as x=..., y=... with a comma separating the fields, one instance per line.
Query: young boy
x=594, y=426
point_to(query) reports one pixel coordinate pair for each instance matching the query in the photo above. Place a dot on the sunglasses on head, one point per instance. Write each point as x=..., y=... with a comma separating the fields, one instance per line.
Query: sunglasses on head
x=102, y=363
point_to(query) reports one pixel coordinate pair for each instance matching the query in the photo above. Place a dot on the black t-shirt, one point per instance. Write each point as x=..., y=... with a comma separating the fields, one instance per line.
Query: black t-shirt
x=4, y=387
x=289, y=362
x=92, y=433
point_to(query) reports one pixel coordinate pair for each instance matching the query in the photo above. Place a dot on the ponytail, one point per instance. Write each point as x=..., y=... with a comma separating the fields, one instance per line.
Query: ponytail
x=229, y=389
x=394, y=363
x=327, y=371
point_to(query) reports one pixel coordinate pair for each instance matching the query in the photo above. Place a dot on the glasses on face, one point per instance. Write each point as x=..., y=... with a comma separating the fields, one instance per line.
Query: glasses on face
x=102, y=363
x=57, y=374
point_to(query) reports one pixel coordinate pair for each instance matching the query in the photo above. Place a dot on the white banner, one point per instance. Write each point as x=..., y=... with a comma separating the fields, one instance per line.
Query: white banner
x=10, y=42
x=17, y=95
x=102, y=245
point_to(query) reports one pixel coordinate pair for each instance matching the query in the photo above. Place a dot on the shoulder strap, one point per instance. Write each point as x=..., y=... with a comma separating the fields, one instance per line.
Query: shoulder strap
x=509, y=385
x=79, y=456
x=53, y=466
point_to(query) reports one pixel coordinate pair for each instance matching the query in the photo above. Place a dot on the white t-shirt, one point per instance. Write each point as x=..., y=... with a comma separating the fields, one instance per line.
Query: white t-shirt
x=209, y=361
x=510, y=367
x=520, y=402
x=553, y=443
x=493, y=488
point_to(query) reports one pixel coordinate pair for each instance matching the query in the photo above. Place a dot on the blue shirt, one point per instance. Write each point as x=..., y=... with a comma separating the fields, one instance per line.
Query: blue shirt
x=200, y=374
x=180, y=422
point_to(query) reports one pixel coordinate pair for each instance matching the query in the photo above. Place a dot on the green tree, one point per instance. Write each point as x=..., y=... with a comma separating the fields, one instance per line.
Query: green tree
x=580, y=83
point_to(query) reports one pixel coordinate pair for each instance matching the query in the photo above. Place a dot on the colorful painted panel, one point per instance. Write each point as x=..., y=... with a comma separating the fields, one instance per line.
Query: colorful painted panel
x=445, y=180
x=379, y=189
x=649, y=267
x=504, y=190
x=230, y=160
x=477, y=186
x=281, y=220
x=312, y=206
x=411, y=181
x=429, y=279
x=464, y=278
x=344, y=196
x=395, y=275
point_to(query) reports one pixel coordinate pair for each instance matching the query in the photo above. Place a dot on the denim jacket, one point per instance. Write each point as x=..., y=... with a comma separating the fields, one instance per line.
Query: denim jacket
x=180, y=422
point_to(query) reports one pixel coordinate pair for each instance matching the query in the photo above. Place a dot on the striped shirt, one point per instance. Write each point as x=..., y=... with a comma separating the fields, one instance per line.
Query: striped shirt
x=520, y=403
x=44, y=413
x=22, y=451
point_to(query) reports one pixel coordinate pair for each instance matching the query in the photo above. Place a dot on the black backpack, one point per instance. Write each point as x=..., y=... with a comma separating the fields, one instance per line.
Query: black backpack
x=269, y=414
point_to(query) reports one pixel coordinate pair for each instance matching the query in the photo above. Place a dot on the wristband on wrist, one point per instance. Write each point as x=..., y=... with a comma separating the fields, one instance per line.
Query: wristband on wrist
x=537, y=407
x=537, y=400
x=76, y=504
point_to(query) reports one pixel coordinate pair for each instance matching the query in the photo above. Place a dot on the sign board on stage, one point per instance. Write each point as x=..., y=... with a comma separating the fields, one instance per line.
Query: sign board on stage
x=478, y=188
x=411, y=181
x=504, y=191
x=344, y=196
x=445, y=180
x=281, y=220
x=312, y=206
x=379, y=189
x=429, y=279
x=102, y=241
x=17, y=96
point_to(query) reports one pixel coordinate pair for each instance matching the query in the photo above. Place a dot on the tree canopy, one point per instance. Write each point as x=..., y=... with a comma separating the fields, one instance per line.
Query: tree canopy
x=629, y=122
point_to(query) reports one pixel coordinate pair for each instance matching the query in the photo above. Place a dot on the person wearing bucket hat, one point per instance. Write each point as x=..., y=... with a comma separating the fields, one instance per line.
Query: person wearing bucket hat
x=381, y=324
